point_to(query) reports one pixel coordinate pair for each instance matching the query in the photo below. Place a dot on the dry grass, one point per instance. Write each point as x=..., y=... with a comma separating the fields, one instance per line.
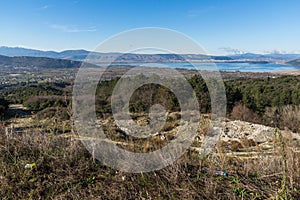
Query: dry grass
x=65, y=170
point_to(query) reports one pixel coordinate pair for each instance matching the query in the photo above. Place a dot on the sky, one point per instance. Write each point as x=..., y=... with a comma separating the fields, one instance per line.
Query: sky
x=219, y=26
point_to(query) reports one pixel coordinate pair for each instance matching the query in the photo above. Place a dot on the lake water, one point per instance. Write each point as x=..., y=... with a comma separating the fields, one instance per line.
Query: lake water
x=242, y=67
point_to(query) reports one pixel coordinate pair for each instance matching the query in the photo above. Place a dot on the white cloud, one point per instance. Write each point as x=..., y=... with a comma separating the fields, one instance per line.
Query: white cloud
x=72, y=29
x=281, y=51
x=232, y=50
x=44, y=7
x=275, y=51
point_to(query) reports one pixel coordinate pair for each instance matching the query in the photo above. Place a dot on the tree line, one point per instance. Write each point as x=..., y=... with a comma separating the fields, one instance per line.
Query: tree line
x=260, y=100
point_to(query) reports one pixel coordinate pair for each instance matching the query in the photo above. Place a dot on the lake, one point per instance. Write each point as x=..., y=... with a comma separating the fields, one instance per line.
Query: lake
x=242, y=67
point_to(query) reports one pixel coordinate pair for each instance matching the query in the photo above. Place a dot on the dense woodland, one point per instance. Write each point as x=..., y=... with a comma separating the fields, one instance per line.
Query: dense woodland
x=270, y=101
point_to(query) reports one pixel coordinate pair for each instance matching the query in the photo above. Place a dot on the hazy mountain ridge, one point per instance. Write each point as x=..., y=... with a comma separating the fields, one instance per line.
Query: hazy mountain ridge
x=273, y=57
x=97, y=58
x=81, y=55
x=37, y=62
x=295, y=62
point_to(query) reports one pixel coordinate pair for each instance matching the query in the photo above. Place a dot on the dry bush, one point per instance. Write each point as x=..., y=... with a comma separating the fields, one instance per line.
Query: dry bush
x=230, y=146
x=284, y=117
x=243, y=113
x=169, y=125
x=291, y=117
x=246, y=143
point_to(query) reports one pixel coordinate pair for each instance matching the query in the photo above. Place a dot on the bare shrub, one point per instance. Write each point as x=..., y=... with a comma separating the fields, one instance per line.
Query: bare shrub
x=284, y=117
x=242, y=112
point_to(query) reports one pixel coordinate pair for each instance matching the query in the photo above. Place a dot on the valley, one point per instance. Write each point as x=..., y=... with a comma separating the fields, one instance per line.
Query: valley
x=260, y=161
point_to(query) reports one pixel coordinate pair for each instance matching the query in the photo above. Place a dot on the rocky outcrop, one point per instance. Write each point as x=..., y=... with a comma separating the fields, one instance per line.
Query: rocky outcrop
x=236, y=130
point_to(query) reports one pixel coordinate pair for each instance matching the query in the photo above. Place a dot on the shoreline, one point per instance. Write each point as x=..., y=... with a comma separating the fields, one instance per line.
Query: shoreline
x=294, y=72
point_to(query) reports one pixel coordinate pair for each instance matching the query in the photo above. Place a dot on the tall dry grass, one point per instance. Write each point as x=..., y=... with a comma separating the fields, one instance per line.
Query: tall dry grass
x=65, y=170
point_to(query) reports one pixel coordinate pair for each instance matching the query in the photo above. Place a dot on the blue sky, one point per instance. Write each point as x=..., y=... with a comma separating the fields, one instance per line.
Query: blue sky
x=220, y=26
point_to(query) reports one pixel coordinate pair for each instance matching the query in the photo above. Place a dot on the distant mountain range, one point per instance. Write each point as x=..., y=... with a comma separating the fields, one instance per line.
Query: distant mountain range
x=17, y=56
x=28, y=62
x=295, y=62
x=96, y=57
x=273, y=57
x=69, y=54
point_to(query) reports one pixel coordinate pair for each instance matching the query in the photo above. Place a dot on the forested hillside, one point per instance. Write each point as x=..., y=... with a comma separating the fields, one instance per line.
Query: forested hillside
x=262, y=100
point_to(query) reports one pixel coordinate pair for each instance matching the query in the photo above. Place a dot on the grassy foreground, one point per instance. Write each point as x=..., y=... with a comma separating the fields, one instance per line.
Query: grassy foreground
x=64, y=169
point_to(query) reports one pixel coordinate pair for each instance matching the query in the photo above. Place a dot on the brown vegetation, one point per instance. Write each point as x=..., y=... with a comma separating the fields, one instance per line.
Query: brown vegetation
x=64, y=169
x=242, y=112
